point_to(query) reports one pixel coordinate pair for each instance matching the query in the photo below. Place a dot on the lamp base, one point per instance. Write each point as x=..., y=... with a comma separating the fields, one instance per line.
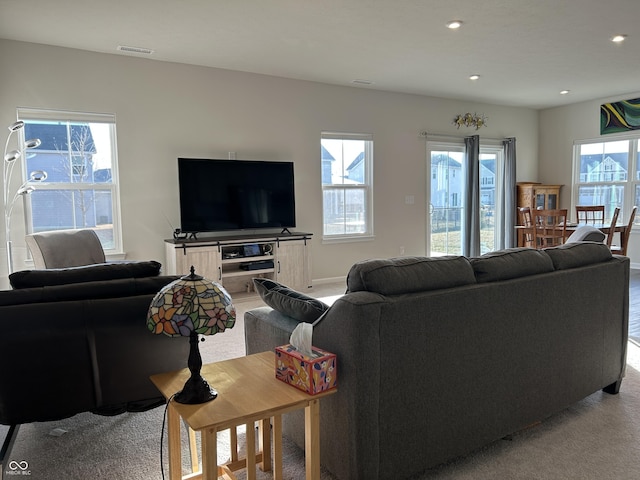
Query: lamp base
x=196, y=390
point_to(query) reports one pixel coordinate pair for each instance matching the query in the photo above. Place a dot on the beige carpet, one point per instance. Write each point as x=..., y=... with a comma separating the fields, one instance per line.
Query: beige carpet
x=597, y=438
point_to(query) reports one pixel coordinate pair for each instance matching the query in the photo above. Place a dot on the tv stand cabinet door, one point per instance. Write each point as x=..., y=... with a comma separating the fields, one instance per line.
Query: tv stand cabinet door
x=207, y=262
x=293, y=263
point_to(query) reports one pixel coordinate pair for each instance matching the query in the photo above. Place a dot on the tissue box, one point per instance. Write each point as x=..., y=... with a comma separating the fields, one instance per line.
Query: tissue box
x=313, y=374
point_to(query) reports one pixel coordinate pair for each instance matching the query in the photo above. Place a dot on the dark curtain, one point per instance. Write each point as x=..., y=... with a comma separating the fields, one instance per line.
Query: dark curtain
x=471, y=231
x=508, y=180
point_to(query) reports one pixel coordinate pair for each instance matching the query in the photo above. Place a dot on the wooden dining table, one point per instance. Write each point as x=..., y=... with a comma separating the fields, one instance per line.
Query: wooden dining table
x=570, y=228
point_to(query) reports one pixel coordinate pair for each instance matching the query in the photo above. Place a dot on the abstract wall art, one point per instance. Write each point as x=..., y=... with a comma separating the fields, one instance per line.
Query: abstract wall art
x=620, y=116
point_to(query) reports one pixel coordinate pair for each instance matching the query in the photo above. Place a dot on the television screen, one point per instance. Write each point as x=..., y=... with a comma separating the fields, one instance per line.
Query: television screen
x=218, y=195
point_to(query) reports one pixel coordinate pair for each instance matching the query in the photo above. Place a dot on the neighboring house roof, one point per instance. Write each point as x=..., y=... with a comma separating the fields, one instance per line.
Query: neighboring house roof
x=326, y=155
x=594, y=163
x=54, y=136
x=357, y=161
x=438, y=159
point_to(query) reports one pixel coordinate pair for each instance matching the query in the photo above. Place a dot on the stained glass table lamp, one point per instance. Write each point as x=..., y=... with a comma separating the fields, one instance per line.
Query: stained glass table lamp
x=188, y=307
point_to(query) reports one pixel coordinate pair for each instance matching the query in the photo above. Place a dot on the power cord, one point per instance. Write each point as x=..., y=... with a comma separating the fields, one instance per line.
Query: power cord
x=164, y=421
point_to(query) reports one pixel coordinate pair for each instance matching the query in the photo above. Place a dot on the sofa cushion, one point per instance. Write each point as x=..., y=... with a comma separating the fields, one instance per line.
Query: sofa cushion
x=510, y=263
x=409, y=274
x=289, y=302
x=573, y=255
x=88, y=273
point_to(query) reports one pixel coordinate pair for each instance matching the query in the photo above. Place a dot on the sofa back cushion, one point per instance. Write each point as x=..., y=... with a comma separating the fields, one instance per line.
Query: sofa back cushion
x=409, y=274
x=574, y=255
x=511, y=263
x=114, y=289
x=89, y=273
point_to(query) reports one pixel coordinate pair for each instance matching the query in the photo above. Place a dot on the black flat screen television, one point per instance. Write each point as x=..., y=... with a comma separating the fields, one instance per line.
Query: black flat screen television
x=218, y=195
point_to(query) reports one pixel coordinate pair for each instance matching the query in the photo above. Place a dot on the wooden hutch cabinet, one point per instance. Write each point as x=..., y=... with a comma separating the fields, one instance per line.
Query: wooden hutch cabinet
x=537, y=196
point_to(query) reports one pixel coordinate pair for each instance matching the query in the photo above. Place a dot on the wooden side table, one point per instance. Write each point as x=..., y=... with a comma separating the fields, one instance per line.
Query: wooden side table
x=248, y=392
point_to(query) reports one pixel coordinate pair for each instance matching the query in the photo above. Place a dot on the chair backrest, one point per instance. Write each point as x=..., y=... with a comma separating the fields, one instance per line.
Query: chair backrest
x=526, y=221
x=65, y=248
x=590, y=213
x=624, y=236
x=549, y=228
x=612, y=226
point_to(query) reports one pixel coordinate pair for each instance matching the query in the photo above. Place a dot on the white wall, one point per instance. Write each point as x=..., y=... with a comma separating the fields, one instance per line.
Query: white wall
x=166, y=110
x=559, y=128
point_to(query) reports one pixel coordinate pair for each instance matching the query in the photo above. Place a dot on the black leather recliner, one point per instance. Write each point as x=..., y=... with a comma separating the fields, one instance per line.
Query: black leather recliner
x=81, y=347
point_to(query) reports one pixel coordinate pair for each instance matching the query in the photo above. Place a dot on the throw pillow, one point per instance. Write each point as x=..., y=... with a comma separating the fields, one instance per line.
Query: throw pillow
x=289, y=302
x=87, y=273
x=586, y=233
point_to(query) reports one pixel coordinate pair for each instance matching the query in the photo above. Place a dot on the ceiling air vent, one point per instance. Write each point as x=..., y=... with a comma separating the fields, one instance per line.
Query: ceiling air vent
x=359, y=81
x=143, y=51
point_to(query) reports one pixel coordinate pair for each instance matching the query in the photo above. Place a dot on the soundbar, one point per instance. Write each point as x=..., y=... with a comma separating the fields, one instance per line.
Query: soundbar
x=261, y=265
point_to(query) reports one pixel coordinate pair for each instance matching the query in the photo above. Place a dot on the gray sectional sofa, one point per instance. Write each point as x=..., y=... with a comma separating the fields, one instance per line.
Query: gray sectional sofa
x=438, y=357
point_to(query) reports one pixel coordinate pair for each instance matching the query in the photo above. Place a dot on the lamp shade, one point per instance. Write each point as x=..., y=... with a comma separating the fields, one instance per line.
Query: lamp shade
x=191, y=304
x=15, y=126
x=188, y=307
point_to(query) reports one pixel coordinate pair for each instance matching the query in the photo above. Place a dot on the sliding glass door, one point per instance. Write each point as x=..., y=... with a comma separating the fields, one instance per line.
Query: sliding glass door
x=445, y=190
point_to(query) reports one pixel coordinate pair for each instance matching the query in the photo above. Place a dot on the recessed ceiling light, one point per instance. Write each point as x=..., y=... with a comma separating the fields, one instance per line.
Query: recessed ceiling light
x=564, y=92
x=475, y=76
x=454, y=24
x=618, y=38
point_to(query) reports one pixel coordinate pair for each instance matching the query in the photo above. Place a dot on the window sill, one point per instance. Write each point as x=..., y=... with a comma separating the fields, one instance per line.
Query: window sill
x=348, y=239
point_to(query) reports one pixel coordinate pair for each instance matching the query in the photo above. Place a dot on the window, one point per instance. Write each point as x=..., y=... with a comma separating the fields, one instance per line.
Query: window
x=607, y=173
x=80, y=190
x=347, y=179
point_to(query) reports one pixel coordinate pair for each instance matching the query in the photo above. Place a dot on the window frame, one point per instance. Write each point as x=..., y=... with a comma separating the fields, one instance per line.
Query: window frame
x=113, y=187
x=366, y=186
x=630, y=186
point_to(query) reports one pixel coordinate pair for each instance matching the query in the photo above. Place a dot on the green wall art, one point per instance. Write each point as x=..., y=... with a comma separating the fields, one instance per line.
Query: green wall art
x=620, y=116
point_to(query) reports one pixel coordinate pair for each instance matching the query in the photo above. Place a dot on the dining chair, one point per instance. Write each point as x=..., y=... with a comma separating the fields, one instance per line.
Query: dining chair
x=549, y=228
x=525, y=219
x=624, y=236
x=590, y=214
x=612, y=227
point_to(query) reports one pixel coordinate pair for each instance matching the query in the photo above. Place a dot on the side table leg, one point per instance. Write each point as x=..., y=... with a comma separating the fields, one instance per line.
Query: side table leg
x=277, y=447
x=209, y=440
x=264, y=440
x=233, y=440
x=175, y=449
x=251, y=451
x=312, y=439
x=193, y=449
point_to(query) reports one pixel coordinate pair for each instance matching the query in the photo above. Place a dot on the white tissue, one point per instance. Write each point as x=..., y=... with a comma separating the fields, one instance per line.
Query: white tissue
x=301, y=338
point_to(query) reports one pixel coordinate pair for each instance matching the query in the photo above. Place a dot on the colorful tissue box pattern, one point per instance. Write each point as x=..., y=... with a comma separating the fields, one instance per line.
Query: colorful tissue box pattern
x=313, y=374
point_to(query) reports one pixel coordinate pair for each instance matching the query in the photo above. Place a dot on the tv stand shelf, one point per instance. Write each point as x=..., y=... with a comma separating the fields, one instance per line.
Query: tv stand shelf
x=234, y=260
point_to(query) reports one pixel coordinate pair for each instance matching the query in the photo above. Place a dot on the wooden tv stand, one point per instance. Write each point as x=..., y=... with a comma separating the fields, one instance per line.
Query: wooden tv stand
x=234, y=260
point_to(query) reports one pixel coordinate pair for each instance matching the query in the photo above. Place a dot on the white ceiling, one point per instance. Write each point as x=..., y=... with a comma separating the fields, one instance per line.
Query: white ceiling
x=526, y=51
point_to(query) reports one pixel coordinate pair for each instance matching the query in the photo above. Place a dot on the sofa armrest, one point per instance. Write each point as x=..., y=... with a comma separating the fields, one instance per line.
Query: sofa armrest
x=265, y=329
